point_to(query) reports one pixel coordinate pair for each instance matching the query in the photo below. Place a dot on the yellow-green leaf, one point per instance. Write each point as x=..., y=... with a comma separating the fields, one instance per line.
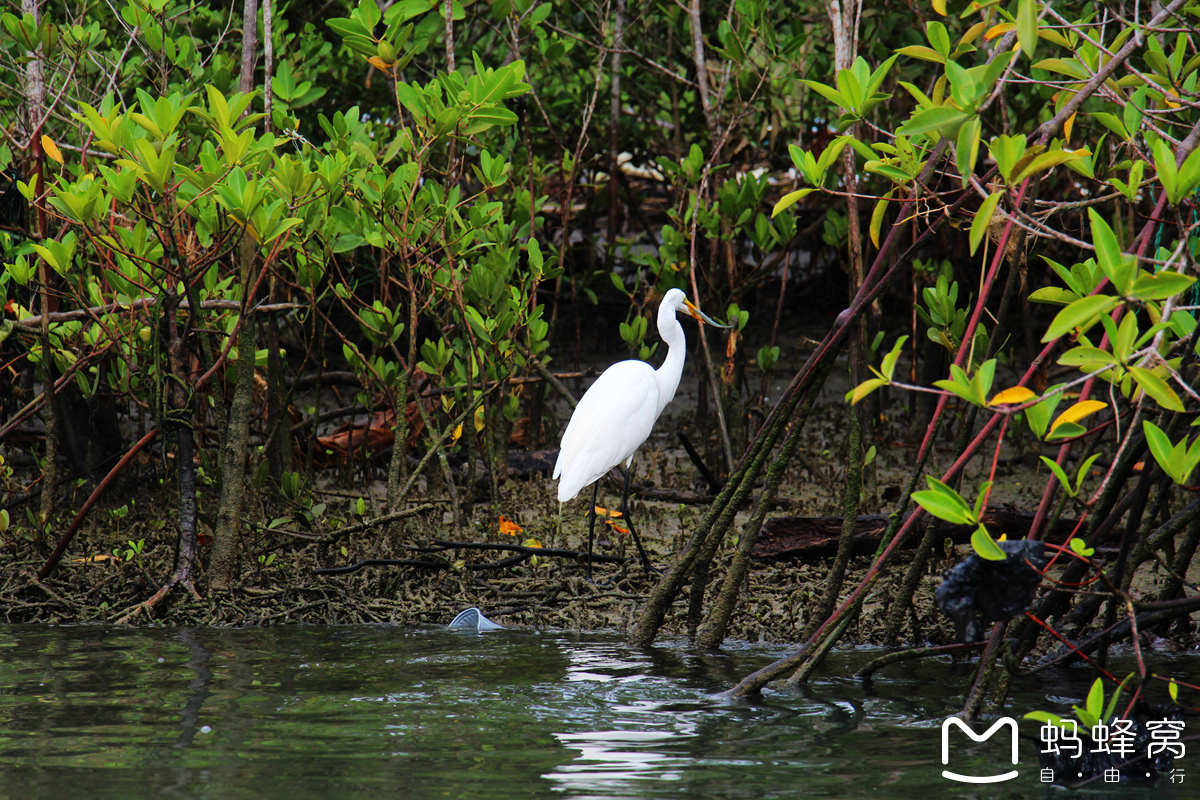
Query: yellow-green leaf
x=865, y=388
x=877, y=218
x=1047, y=160
x=923, y=53
x=790, y=199
x=1084, y=408
x=985, y=546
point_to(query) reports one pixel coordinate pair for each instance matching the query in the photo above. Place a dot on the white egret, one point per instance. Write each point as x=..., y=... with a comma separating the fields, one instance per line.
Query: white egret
x=617, y=414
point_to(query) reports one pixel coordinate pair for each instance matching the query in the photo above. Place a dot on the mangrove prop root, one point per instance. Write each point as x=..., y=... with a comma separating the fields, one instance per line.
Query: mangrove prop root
x=712, y=633
x=914, y=653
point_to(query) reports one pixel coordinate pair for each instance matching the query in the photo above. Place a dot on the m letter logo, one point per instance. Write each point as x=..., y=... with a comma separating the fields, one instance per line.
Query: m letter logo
x=950, y=722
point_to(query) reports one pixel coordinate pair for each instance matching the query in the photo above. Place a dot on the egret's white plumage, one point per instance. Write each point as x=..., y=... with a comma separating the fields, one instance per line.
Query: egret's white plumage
x=619, y=410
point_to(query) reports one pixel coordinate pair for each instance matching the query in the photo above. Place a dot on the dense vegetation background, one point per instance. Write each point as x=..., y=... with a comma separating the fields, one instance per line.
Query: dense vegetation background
x=208, y=212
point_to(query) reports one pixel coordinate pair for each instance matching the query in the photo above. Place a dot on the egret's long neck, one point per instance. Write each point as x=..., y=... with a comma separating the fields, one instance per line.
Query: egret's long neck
x=669, y=374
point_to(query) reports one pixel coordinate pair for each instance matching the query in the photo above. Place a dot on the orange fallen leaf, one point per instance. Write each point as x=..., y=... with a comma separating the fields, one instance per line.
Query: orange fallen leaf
x=601, y=511
x=509, y=527
x=96, y=559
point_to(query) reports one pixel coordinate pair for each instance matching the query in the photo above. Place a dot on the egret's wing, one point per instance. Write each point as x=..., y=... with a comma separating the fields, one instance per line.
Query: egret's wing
x=612, y=420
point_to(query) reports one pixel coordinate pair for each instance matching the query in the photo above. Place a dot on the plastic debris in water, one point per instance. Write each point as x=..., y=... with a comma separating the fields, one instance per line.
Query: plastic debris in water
x=473, y=620
x=978, y=591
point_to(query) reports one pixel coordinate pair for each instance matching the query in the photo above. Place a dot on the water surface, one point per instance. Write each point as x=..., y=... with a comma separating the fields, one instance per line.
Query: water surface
x=342, y=712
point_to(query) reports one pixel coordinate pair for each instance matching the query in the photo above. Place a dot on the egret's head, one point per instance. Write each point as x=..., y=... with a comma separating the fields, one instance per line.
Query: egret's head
x=676, y=300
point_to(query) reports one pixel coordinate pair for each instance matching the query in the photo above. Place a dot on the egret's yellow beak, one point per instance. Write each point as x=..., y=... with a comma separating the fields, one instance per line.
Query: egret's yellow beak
x=700, y=315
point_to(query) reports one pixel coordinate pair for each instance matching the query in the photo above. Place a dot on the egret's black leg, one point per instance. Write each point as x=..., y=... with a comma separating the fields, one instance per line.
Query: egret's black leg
x=629, y=521
x=591, y=528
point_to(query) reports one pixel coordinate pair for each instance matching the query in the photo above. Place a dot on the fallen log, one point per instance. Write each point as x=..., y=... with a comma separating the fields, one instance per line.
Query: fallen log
x=810, y=538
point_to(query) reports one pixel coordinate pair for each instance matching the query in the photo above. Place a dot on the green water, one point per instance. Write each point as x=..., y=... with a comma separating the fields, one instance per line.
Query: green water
x=333, y=712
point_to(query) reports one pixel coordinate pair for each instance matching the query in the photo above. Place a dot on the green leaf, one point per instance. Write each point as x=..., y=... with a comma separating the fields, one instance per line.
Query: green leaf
x=1055, y=295
x=1087, y=358
x=495, y=115
x=1111, y=122
x=983, y=219
x=1157, y=388
x=1080, y=547
x=1058, y=473
x=932, y=119
x=790, y=199
x=1110, y=711
x=889, y=361
x=985, y=546
x=1053, y=719
x=1161, y=285
x=851, y=92
x=1189, y=173
x=1160, y=445
x=1038, y=416
x=877, y=216
x=944, y=503
x=966, y=149
x=1069, y=67
x=1108, y=251
x=1065, y=430
x=1082, y=313
x=981, y=498
x=1095, y=699
x=1168, y=174
x=938, y=37
x=830, y=94
x=1027, y=26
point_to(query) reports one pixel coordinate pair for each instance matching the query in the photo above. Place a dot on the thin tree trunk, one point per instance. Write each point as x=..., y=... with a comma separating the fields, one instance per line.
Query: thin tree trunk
x=701, y=63
x=35, y=101
x=449, y=9
x=279, y=446
x=249, y=46
x=614, y=128
x=223, y=566
x=268, y=63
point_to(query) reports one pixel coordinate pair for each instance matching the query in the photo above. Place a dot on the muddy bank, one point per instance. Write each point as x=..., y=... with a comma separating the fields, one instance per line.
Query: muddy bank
x=283, y=547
